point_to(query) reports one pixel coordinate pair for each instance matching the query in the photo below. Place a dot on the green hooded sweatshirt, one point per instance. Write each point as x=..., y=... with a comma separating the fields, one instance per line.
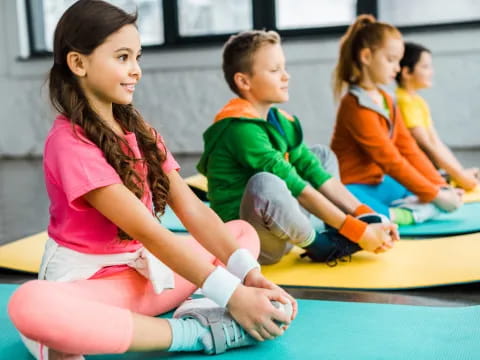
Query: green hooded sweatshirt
x=241, y=144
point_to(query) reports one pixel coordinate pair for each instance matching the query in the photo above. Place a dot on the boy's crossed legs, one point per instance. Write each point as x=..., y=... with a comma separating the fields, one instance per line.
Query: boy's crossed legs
x=281, y=222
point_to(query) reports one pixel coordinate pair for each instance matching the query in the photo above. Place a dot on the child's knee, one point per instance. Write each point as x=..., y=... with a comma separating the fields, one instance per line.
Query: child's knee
x=264, y=180
x=266, y=186
x=246, y=235
x=328, y=158
x=323, y=151
x=25, y=303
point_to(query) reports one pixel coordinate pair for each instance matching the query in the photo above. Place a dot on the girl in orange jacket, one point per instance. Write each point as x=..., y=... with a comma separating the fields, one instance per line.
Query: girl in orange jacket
x=379, y=160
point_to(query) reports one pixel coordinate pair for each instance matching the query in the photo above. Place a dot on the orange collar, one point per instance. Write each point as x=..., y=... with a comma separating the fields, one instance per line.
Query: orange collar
x=237, y=107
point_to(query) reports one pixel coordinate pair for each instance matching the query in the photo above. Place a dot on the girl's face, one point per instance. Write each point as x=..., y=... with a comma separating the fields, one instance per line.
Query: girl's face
x=112, y=69
x=382, y=64
x=422, y=74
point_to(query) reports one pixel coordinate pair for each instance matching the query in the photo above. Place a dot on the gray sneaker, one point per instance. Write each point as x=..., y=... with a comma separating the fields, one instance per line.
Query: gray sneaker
x=421, y=211
x=285, y=308
x=225, y=333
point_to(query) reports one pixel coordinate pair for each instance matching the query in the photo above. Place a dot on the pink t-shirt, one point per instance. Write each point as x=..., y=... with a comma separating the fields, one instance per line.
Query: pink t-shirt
x=74, y=166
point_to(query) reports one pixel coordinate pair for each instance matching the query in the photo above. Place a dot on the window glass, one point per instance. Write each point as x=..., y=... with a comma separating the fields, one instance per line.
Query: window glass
x=414, y=12
x=150, y=19
x=209, y=17
x=298, y=14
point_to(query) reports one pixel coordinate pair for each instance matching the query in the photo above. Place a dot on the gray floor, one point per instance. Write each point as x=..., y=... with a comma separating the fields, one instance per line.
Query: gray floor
x=24, y=211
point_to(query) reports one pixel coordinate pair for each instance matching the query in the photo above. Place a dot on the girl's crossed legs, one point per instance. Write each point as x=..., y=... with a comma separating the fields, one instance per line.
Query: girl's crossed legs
x=379, y=197
x=112, y=314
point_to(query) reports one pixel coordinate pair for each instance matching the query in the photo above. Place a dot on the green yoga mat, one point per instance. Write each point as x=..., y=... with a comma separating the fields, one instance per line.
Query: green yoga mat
x=463, y=221
x=331, y=330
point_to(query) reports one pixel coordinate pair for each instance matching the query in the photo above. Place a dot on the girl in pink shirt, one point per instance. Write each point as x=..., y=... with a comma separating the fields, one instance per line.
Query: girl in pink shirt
x=110, y=266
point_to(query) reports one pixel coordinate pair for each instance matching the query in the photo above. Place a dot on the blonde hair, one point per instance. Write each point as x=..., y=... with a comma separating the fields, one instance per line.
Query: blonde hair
x=239, y=50
x=365, y=32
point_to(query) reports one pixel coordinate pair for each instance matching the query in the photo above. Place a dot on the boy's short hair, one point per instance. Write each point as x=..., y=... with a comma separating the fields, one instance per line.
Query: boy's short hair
x=239, y=50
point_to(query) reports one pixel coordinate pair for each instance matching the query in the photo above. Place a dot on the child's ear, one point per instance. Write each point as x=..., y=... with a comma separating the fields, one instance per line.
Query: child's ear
x=76, y=63
x=242, y=81
x=405, y=72
x=365, y=56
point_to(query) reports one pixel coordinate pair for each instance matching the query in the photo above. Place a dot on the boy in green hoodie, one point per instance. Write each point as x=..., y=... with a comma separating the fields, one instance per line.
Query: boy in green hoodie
x=259, y=169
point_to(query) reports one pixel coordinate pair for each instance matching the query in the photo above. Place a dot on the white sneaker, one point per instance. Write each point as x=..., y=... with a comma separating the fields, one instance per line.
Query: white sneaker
x=374, y=218
x=285, y=308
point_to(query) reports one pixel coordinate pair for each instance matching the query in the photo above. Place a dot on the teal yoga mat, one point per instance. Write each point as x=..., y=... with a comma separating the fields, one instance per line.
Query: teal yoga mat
x=171, y=221
x=331, y=330
x=463, y=221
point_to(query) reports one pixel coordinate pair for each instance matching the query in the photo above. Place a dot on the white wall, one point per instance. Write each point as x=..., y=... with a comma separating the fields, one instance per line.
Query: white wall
x=182, y=89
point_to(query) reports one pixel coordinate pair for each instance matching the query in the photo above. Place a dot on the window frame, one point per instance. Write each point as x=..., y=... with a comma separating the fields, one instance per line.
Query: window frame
x=264, y=17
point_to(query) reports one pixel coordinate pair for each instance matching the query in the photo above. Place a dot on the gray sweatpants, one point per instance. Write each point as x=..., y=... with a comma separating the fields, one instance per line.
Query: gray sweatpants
x=279, y=219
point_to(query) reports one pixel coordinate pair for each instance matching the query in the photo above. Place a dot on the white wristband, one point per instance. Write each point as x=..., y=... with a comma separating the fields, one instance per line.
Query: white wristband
x=241, y=262
x=220, y=285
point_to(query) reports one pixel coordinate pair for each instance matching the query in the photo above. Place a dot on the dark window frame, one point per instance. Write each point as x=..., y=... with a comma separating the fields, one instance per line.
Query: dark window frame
x=263, y=13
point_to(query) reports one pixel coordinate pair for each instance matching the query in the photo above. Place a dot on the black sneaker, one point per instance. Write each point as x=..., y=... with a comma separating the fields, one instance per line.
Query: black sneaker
x=373, y=218
x=330, y=247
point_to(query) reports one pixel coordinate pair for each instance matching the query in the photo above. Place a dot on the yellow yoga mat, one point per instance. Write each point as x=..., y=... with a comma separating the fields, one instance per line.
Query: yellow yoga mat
x=472, y=196
x=197, y=181
x=410, y=264
x=24, y=254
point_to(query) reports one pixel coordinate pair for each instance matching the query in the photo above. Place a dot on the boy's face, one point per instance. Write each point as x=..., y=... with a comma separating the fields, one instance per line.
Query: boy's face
x=268, y=81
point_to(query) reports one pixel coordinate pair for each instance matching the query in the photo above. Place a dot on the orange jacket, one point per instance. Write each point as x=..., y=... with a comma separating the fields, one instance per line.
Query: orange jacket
x=370, y=144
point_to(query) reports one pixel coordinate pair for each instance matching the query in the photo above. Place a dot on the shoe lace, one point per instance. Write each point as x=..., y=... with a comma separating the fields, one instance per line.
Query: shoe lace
x=235, y=335
x=341, y=252
x=334, y=258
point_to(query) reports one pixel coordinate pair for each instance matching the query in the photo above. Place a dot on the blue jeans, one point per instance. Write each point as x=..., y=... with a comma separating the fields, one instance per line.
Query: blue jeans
x=379, y=197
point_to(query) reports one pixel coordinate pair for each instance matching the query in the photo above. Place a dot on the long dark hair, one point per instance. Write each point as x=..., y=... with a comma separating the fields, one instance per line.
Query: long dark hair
x=411, y=57
x=82, y=28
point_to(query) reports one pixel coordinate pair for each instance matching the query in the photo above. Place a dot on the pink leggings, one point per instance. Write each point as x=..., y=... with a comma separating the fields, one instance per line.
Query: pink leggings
x=94, y=316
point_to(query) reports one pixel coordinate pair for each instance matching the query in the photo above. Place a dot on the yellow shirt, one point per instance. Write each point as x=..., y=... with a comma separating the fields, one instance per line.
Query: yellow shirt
x=414, y=109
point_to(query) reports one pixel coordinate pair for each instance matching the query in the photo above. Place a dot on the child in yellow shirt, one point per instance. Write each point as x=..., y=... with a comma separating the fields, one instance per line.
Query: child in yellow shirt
x=415, y=74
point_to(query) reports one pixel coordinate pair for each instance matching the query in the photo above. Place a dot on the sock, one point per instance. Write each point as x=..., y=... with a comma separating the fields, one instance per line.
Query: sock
x=309, y=240
x=402, y=216
x=187, y=335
